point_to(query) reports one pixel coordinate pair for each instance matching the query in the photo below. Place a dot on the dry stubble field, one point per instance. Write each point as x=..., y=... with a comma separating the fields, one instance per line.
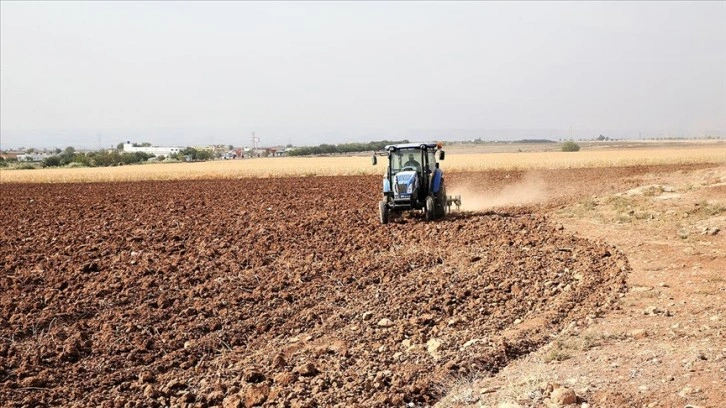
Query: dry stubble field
x=285, y=291
x=459, y=159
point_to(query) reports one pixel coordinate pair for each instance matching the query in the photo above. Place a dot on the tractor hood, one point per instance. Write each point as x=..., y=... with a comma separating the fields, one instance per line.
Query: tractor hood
x=405, y=183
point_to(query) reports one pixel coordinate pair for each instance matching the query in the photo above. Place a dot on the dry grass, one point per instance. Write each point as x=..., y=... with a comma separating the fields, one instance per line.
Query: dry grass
x=560, y=351
x=224, y=169
x=361, y=165
x=511, y=388
x=586, y=159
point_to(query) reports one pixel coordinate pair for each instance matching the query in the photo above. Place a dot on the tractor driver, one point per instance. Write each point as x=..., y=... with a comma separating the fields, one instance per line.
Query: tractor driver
x=412, y=163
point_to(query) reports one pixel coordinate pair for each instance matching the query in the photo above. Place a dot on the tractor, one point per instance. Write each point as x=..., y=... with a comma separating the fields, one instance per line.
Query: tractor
x=414, y=181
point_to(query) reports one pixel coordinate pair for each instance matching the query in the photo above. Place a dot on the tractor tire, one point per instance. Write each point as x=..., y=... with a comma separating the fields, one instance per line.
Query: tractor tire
x=441, y=202
x=430, y=208
x=383, y=212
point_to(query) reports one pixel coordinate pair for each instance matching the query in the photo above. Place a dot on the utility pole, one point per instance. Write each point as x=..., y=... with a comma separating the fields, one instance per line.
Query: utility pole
x=255, y=140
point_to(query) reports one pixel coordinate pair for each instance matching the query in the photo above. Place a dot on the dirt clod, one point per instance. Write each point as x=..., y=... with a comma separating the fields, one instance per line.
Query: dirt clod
x=563, y=396
x=306, y=370
x=255, y=395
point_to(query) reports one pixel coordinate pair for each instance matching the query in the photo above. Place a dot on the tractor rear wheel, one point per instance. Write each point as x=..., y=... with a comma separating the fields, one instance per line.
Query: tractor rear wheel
x=383, y=212
x=430, y=208
x=441, y=201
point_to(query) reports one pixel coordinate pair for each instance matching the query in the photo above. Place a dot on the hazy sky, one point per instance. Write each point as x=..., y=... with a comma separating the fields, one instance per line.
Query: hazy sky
x=306, y=73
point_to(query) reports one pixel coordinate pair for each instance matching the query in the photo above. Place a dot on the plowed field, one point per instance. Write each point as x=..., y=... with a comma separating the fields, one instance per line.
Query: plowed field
x=283, y=292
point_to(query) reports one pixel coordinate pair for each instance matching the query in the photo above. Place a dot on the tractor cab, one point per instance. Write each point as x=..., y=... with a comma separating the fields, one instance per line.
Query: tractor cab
x=413, y=180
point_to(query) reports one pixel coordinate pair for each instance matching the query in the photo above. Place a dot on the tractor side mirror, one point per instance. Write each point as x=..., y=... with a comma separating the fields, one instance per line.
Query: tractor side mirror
x=374, y=160
x=442, y=154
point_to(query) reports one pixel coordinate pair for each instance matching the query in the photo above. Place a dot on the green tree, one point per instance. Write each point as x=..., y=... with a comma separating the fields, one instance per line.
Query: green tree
x=188, y=152
x=52, y=161
x=570, y=146
x=204, y=155
x=67, y=156
x=194, y=154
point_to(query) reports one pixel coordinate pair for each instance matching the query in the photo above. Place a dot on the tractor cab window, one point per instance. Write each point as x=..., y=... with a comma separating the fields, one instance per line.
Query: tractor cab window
x=405, y=159
x=431, y=159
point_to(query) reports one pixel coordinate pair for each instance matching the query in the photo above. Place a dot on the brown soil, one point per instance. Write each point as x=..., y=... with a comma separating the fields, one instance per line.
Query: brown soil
x=664, y=344
x=288, y=292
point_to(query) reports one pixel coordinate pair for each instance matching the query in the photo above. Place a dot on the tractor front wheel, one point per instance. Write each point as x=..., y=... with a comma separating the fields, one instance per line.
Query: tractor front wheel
x=383, y=212
x=430, y=208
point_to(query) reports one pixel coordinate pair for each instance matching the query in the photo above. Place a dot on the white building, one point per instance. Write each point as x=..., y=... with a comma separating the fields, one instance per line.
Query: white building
x=155, y=150
x=33, y=157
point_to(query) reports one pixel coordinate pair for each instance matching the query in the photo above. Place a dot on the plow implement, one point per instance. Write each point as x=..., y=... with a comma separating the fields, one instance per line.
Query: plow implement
x=453, y=200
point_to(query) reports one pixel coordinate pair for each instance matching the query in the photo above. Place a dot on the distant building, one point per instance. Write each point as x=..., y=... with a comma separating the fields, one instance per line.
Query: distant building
x=155, y=150
x=280, y=151
x=10, y=155
x=33, y=157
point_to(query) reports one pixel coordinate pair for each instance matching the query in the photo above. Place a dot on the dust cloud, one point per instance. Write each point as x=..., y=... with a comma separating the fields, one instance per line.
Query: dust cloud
x=530, y=189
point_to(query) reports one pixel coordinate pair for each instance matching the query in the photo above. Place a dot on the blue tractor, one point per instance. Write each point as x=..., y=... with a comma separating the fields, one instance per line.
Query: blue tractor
x=414, y=181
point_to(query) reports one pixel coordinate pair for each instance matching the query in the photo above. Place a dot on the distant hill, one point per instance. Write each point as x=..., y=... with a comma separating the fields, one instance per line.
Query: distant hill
x=534, y=141
x=529, y=141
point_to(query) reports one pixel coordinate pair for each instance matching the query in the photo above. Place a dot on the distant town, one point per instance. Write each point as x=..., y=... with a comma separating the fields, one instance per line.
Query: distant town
x=130, y=153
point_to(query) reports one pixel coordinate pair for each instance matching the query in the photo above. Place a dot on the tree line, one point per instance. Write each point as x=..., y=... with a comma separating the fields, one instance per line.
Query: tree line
x=100, y=158
x=342, y=148
x=105, y=158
